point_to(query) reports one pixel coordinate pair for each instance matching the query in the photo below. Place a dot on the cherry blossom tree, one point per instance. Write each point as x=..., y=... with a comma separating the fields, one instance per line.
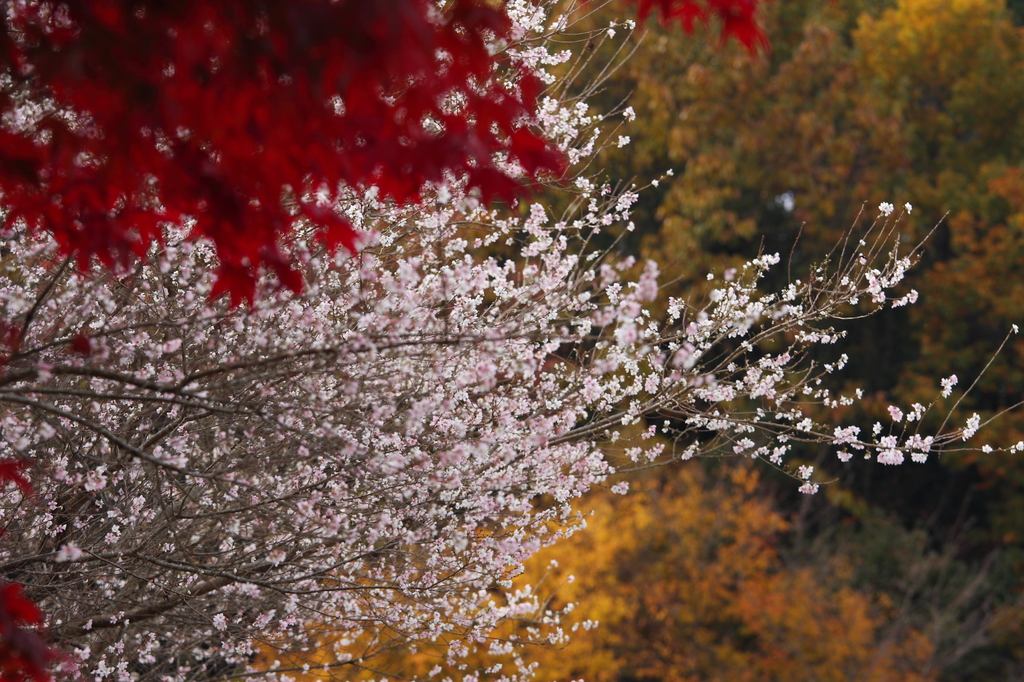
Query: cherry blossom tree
x=369, y=462
x=364, y=458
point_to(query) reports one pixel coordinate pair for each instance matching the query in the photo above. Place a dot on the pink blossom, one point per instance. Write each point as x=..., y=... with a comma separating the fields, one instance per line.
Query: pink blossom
x=68, y=552
x=95, y=480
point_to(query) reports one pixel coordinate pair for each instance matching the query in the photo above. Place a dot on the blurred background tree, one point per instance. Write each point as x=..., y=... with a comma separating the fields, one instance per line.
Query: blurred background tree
x=863, y=101
x=687, y=581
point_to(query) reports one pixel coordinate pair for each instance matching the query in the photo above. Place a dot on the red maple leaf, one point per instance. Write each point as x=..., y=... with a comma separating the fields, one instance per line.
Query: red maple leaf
x=738, y=18
x=221, y=110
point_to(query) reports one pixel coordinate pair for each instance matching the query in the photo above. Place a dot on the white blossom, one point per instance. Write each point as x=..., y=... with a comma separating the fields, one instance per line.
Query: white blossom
x=971, y=428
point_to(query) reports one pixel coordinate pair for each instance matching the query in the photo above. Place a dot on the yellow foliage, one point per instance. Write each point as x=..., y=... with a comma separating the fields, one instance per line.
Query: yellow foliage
x=933, y=43
x=952, y=69
x=686, y=583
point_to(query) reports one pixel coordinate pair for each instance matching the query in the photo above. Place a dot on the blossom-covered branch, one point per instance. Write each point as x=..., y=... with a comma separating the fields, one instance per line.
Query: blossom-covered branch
x=380, y=453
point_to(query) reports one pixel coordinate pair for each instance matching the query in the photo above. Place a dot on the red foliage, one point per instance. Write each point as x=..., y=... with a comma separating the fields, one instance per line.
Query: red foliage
x=81, y=344
x=10, y=343
x=24, y=654
x=736, y=16
x=230, y=111
x=222, y=111
x=11, y=472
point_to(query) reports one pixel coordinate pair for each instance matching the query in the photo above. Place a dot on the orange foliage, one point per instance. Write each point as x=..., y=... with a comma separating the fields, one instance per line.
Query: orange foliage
x=687, y=584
